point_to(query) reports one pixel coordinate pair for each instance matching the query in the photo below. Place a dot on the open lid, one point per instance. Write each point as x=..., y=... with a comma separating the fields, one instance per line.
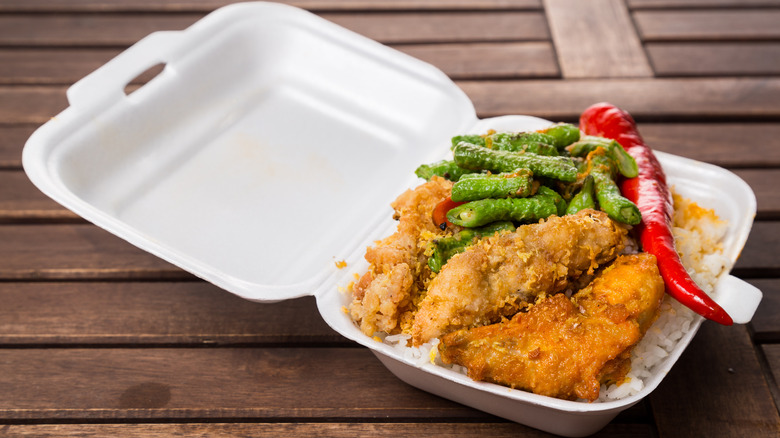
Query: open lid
x=264, y=152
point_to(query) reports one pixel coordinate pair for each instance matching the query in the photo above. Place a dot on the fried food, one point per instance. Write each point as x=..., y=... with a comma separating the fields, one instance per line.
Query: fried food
x=501, y=275
x=566, y=347
x=398, y=265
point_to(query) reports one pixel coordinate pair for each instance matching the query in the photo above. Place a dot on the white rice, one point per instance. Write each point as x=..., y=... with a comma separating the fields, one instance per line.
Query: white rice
x=698, y=234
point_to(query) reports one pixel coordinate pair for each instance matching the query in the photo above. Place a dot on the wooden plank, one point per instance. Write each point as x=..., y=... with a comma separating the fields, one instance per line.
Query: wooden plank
x=209, y=5
x=707, y=25
x=293, y=430
x=644, y=98
x=700, y=99
x=706, y=4
x=766, y=322
x=390, y=27
x=596, y=39
x=210, y=383
x=12, y=140
x=64, y=66
x=759, y=257
x=21, y=201
x=86, y=252
x=86, y=29
x=489, y=60
x=30, y=105
x=267, y=384
x=732, y=391
x=153, y=313
x=437, y=27
x=764, y=184
x=717, y=143
x=772, y=354
x=715, y=59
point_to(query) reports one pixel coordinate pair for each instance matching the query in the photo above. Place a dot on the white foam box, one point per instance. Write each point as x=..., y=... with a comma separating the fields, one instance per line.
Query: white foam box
x=270, y=147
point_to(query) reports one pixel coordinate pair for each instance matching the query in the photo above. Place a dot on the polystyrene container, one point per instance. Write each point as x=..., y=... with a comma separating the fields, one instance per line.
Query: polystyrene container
x=270, y=147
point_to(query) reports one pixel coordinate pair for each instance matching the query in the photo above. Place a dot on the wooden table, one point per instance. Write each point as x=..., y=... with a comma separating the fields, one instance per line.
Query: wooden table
x=100, y=338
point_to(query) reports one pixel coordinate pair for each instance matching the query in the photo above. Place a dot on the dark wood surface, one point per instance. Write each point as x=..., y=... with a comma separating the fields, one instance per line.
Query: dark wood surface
x=98, y=338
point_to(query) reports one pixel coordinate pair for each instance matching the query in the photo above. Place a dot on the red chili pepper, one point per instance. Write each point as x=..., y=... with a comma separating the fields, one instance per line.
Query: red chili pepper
x=651, y=194
x=440, y=212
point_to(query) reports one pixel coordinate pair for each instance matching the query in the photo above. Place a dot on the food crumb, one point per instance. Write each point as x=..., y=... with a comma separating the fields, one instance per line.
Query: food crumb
x=341, y=264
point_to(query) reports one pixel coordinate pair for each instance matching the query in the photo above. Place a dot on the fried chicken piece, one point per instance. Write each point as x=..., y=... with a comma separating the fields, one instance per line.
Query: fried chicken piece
x=397, y=263
x=564, y=347
x=501, y=275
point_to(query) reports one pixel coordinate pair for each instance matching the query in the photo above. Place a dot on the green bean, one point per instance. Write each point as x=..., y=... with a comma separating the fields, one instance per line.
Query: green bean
x=584, y=198
x=478, y=140
x=533, y=142
x=608, y=194
x=563, y=134
x=485, y=211
x=502, y=185
x=560, y=204
x=474, y=157
x=445, y=168
x=626, y=164
x=446, y=247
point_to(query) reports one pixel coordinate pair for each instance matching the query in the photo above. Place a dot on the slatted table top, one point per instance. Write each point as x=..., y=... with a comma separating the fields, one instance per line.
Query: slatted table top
x=100, y=338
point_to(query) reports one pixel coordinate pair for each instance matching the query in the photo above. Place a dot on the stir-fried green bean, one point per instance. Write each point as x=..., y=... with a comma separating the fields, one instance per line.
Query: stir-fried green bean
x=563, y=134
x=446, y=247
x=470, y=156
x=533, y=142
x=584, y=198
x=626, y=164
x=478, y=140
x=446, y=169
x=503, y=185
x=610, y=200
x=555, y=197
x=485, y=211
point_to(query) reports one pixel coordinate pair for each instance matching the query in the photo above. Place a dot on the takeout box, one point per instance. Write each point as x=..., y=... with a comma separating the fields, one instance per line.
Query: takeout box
x=270, y=147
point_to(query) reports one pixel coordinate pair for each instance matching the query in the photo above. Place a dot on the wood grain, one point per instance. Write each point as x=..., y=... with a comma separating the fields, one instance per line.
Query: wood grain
x=731, y=390
x=759, y=257
x=153, y=314
x=426, y=427
x=12, y=140
x=766, y=322
x=762, y=182
x=596, y=39
x=707, y=25
x=237, y=383
x=21, y=201
x=95, y=30
x=669, y=99
x=715, y=58
x=489, y=60
x=37, y=252
x=704, y=4
x=729, y=144
x=64, y=66
x=209, y=5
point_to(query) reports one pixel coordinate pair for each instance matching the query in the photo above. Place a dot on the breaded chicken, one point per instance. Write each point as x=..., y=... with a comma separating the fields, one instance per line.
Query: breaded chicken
x=501, y=275
x=564, y=347
x=398, y=263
